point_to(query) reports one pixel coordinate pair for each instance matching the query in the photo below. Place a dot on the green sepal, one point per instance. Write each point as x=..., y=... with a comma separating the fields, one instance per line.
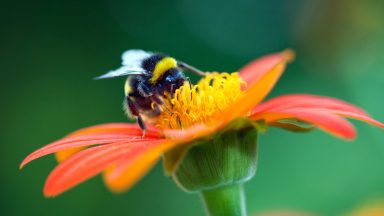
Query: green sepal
x=173, y=157
x=227, y=158
x=293, y=125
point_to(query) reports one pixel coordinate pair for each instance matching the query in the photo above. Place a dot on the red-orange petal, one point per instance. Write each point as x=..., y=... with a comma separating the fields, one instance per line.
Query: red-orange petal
x=253, y=96
x=305, y=101
x=188, y=134
x=79, y=141
x=109, y=128
x=329, y=122
x=125, y=128
x=65, y=154
x=352, y=115
x=255, y=70
x=98, y=134
x=92, y=161
x=312, y=103
x=125, y=173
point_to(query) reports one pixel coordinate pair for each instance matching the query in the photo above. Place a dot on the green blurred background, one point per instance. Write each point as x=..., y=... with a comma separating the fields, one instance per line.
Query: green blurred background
x=51, y=50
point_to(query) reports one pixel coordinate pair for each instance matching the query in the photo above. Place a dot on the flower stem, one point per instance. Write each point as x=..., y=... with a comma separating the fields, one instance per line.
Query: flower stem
x=225, y=201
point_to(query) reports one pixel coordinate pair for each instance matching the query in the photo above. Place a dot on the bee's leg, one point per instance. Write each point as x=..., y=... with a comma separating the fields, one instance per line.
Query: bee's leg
x=141, y=123
x=159, y=102
x=172, y=90
x=135, y=111
x=194, y=70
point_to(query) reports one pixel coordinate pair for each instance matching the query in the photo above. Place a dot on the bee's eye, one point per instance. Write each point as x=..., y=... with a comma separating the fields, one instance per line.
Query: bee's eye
x=169, y=79
x=168, y=83
x=174, y=80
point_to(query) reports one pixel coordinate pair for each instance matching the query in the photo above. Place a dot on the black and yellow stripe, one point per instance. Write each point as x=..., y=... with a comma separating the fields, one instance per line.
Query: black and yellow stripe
x=158, y=65
x=161, y=67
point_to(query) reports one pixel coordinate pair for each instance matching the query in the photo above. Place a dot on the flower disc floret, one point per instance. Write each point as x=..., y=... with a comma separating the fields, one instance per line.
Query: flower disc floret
x=198, y=103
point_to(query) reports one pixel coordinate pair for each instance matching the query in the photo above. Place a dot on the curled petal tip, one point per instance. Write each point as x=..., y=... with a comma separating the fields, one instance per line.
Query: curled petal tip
x=47, y=193
x=289, y=55
x=23, y=163
x=49, y=196
x=349, y=137
x=380, y=124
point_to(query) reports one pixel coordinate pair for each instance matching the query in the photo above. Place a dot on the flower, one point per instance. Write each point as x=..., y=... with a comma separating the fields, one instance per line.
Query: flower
x=192, y=113
x=373, y=208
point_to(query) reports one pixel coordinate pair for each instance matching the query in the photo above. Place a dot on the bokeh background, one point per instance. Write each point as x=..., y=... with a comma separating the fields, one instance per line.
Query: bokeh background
x=50, y=51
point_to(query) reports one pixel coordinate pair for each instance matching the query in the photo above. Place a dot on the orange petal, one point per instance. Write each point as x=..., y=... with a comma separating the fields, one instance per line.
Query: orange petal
x=65, y=154
x=186, y=135
x=254, y=71
x=79, y=141
x=253, y=96
x=261, y=76
x=353, y=115
x=329, y=122
x=313, y=103
x=92, y=161
x=111, y=129
x=305, y=101
x=241, y=107
x=125, y=128
x=122, y=176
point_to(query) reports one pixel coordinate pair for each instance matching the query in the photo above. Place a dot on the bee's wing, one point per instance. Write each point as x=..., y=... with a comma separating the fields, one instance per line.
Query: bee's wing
x=132, y=60
x=135, y=57
x=123, y=71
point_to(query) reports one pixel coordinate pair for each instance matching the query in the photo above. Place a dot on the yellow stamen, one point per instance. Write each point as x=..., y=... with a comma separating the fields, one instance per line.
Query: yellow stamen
x=199, y=103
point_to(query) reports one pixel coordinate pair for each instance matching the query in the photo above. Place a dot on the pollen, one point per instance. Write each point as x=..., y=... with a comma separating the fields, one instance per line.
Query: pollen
x=191, y=104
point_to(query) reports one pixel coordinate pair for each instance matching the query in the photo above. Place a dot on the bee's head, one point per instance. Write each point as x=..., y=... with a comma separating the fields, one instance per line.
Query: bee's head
x=173, y=79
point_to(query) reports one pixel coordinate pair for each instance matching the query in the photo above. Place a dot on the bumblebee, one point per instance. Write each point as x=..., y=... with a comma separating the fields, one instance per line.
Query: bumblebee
x=150, y=77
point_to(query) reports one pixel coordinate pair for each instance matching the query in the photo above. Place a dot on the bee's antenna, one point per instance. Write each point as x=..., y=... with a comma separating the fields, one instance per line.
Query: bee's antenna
x=194, y=70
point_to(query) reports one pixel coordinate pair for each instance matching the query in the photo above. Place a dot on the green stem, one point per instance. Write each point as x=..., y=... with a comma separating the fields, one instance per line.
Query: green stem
x=225, y=201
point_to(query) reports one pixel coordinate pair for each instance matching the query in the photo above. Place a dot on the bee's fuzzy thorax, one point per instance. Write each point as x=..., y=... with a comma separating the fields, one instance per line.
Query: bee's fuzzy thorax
x=161, y=67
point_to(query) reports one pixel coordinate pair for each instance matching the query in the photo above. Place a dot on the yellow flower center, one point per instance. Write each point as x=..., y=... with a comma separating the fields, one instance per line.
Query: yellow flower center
x=198, y=103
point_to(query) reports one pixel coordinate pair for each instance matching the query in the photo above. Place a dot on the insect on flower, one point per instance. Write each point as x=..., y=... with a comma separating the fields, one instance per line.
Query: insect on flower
x=150, y=77
x=220, y=105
